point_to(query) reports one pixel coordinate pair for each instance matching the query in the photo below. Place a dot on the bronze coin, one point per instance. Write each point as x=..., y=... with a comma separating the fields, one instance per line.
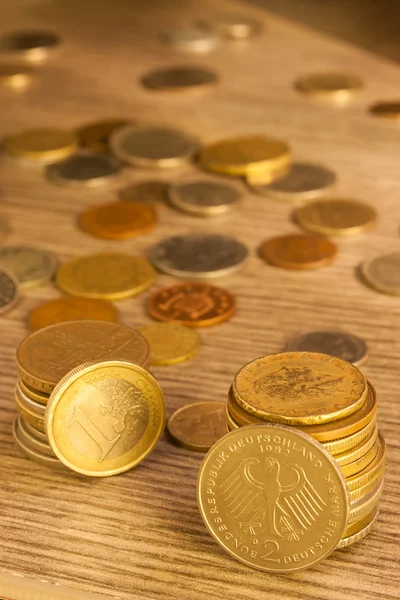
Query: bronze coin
x=337, y=343
x=297, y=251
x=180, y=79
x=71, y=308
x=145, y=192
x=9, y=290
x=118, y=220
x=95, y=136
x=192, y=304
x=199, y=425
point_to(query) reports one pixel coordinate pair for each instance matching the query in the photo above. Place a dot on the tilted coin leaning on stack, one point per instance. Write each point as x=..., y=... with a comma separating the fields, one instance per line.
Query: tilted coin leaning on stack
x=329, y=405
x=85, y=399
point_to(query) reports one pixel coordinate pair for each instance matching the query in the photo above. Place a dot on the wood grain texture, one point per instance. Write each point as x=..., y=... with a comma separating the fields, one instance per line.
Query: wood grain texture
x=140, y=536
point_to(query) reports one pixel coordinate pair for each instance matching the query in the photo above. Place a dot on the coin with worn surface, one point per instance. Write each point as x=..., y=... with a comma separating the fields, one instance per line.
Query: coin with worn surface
x=205, y=198
x=107, y=275
x=246, y=156
x=118, y=220
x=72, y=308
x=34, y=46
x=303, y=181
x=15, y=76
x=96, y=136
x=31, y=441
x=232, y=26
x=42, y=145
x=31, y=266
x=33, y=394
x=38, y=457
x=153, y=146
x=84, y=170
x=170, y=343
x=300, y=388
x=199, y=425
x=299, y=252
x=104, y=418
x=149, y=192
x=253, y=488
x=180, y=79
x=383, y=273
x=47, y=355
x=9, y=291
x=192, y=304
x=337, y=343
x=337, y=217
x=335, y=86
x=191, y=39
x=198, y=255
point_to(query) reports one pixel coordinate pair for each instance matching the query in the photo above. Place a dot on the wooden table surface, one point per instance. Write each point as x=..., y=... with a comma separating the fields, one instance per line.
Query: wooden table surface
x=139, y=536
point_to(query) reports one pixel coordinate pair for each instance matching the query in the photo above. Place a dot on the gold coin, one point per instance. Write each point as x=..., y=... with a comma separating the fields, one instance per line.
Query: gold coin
x=39, y=457
x=42, y=360
x=383, y=273
x=40, y=435
x=249, y=488
x=71, y=308
x=386, y=110
x=370, y=471
x=42, y=145
x=246, y=156
x=300, y=388
x=232, y=26
x=108, y=276
x=366, y=488
x=15, y=76
x=198, y=426
x=350, y=442
x=361, y=463
x=356, y=453
x=33, y=418
x=365, y=505
x=205, y=198
x=104, y=418
x=31, y=266
x=84, y=170
x=118, y=220
x=153, y=146
x=180, y=79
x=32, y=393
x=358, y=530
x=337, y=217
x=232, y=424
x=335, y=86
x=96, y=136
x=191, y=39
x=31, y=441
x=36, y=407
x=149, y=192
x=170, y=343
x=34, y=46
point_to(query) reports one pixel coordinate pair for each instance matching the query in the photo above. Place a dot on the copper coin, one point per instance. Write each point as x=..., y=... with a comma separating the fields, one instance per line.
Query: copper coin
x=46, y=355
x=192, y=304
x=9, y=290
x=180, y=79
x=199, y=425
x=297, y=251
x=118, y=220
x=145, y=192
x=337, y=343
x=84, y=170
x=71, y=308
x=96, y=136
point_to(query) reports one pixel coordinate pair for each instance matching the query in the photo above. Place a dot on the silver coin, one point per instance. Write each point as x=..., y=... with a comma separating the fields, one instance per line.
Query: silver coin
x=87, y=169
x=9, y=290
x=336, y=343
x=203, y=197
x=198, y=255
x=303, y=182
x=153, y=146
x=145, y=192
x=31, y=266
x=191, y=39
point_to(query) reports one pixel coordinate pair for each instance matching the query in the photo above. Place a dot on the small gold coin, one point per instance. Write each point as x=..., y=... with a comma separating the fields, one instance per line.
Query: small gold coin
x=302, y=182
x=383, y=273
x=351, y=441
x=299, y=252
x=191, y=39
x=108, y=276
x=9, y=290
x=38, y=457
x=387, y=110
x=249, y=485
x=42, y=145
x=349, y=456
x=337, y=217
x=84, y=170
x=336, y=343
x=370, y=471
x=358, y=530
x=332, y=86
x=205, y=198
x=31, y=266
x=34, y=46
x=96, y=136
x=71, y=308
x=180, y=79
x=300, y=388
x=16, y=76
x=361, y=463
x=149, y=192
x=153, y=146
x=253, y=156
x=31, y=441
x=118, y=220
x=233, y=26
x=32, y=393
x=104, y=418
x=170, y=343
x=199, y=425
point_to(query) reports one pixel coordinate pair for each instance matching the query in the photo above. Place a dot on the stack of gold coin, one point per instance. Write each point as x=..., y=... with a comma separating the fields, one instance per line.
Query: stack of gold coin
x=47, y=356
x=330, y=400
